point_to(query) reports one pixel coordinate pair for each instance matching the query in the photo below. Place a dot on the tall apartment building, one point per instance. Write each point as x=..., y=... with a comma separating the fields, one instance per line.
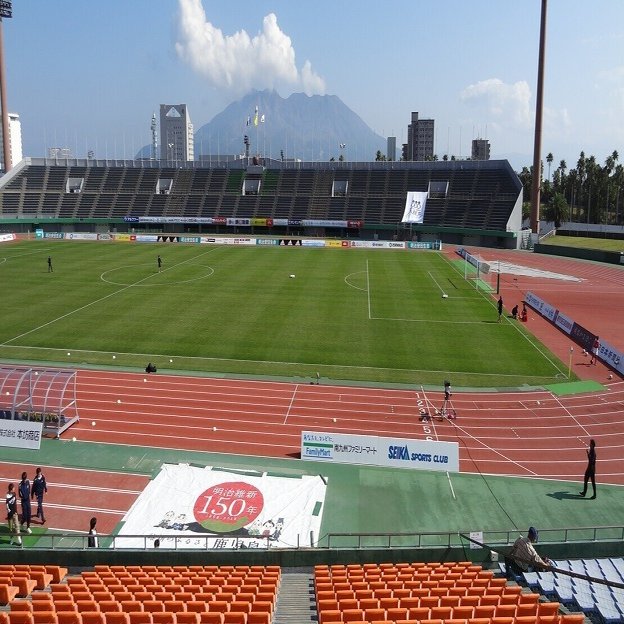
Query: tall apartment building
x=480, y=149
x=15, y=141
x=420, y=135
x=176, y=133
x=391, y=148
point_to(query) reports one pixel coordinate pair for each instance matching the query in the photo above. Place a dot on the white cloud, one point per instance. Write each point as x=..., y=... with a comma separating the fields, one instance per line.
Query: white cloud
x=501, y=102
x=239, y=62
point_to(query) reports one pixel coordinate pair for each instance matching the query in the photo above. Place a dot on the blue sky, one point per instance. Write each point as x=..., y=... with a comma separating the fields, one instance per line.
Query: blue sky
x=88, y=75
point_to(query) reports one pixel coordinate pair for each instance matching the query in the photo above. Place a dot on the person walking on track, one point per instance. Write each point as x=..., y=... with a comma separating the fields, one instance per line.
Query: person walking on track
x=39, y=488
x=24, y=493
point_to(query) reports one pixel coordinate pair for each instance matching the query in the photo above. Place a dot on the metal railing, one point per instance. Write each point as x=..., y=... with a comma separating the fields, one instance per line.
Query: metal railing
x=353, y=541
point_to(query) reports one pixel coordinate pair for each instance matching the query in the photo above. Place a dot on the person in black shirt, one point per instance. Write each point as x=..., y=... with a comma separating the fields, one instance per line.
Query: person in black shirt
x=24, y=493
x=590, y=471
x=39, y=488
x=500, y=309
x=50, y=269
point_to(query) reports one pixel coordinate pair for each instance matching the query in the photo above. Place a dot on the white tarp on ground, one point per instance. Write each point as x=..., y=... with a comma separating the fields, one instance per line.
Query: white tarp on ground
x=415, y=203
x=193, y=507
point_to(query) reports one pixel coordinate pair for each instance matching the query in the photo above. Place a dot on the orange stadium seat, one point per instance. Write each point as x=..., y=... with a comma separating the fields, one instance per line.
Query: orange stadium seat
x=187, y=617
x=45, y=617
x=68, y=617
x=264, y=606
x=164, y=617
x=502, y=620
x=329, y=616
x=93, y=617
x=140, y=617
x=196, y=606
x=548, y=608
x=131, y=605
x=210, y=617
x=484, y=611
x=109, y=606
x=174, y=606
x=64, y=605
x=117, y=617
x=21, y=617
x=20, y=605
x=572, y=618
x=234, y=618
x=86, y=605
x=258, y=618
x=149, y=605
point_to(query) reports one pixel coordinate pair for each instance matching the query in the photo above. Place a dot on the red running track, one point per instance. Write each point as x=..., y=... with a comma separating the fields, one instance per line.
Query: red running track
x=76, y=495
x=534, y=434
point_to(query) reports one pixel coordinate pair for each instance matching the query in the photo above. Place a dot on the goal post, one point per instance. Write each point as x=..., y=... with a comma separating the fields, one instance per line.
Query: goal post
x=478, y=272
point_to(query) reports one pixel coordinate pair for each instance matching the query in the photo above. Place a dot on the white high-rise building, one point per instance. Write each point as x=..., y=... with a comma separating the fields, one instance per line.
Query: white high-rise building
x=176, y=133
x=15, y=141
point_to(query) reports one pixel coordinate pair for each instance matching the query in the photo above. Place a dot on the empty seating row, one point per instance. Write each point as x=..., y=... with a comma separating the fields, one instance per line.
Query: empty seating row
x=545, y=610
x=139, y=617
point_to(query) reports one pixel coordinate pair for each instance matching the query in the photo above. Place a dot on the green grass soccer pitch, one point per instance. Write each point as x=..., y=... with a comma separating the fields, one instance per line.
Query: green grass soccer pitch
x=359, y=315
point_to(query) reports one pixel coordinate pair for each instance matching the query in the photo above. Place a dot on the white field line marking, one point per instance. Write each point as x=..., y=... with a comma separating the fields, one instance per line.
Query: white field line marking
x=137, y=283
x=567, y=411
x=292, y=400
x=348, y=283
x=368, y=293
x=435, y=281
x=435, y=433
x=489, y=448
x=103, y=471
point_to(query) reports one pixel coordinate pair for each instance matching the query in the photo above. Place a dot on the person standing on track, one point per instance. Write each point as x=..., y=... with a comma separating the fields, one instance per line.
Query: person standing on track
x=594, y=350
x=590, y=471
x=39, y=488
x=12, y=517
x=24, y=493
x=500, y=309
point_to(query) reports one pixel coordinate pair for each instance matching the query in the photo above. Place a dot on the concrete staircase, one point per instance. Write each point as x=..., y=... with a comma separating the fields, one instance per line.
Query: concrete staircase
x=296, y=603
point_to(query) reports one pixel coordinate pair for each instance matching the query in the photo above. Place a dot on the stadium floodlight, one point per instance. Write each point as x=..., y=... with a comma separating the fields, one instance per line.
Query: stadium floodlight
x=6, y=11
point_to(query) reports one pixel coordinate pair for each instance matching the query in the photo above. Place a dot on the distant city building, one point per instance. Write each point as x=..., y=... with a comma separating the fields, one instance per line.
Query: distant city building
x=59, y=152
x=480, y=149
x=420, y=134
x=15, y=140
x=391, y=148
x=176, y=133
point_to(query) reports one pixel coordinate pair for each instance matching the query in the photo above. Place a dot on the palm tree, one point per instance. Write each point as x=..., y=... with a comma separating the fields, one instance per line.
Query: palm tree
x=549, y=159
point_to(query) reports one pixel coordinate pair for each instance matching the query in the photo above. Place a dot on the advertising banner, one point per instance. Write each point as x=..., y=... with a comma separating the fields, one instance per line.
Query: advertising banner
x=342, y=448
x=415, y=203
x=20, y=434
x=228, y=240
x=192, y=507
x=5, y=238
x=81, y=236
x=581, y=335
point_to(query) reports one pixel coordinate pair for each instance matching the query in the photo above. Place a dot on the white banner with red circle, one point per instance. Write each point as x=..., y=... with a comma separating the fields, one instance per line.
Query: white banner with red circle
x=193, y=507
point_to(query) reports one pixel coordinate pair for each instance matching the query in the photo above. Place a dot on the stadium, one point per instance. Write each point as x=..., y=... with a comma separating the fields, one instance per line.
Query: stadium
x=255, y=391
x=255, y=388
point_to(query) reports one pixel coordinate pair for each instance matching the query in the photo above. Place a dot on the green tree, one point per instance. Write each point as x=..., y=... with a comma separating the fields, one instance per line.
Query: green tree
x=549, y=160
x=379, y=156
x=557, y=210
